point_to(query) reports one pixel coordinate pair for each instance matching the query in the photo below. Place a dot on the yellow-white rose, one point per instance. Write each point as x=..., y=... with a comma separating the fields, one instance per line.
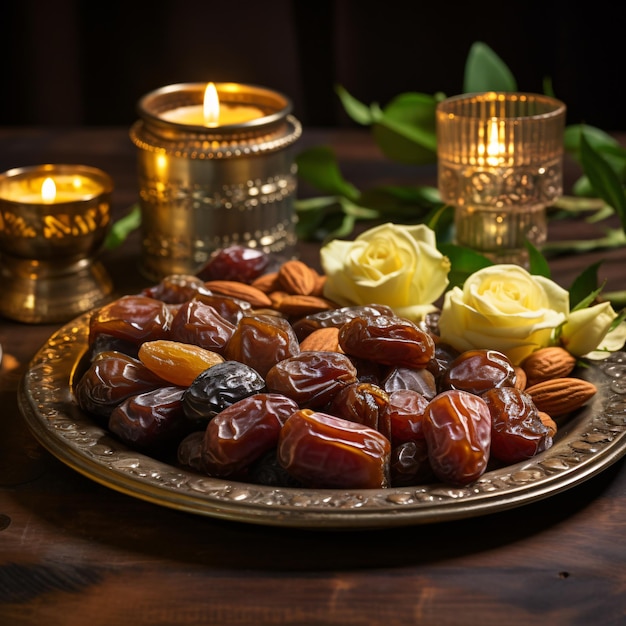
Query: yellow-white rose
x=586, y=329
x=391, y=264
x=504, y=308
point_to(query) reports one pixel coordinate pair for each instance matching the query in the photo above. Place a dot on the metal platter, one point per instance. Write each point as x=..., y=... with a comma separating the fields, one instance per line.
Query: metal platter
x=586, y=444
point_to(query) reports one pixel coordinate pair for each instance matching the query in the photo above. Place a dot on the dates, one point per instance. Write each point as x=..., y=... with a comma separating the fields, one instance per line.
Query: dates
x=235, y=263
x=218, y=387
x=229, y=389
x=387, y=340
x=517, y=432
x=245, y=431
x=457, y=429
x=111, y=378
x=132, y=318
x=151, y=421
x=261, y=341
x=325, y=451
x=200, y=324
x=312, y=378
x=478, y=371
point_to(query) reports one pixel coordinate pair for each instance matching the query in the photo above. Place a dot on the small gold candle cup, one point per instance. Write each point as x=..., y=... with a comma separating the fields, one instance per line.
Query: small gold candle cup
x=204, y=187
x=48, y=246
x=500, y=165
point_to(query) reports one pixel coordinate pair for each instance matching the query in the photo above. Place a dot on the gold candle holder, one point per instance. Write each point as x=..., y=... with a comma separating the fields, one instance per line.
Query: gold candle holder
x=210, y=182
x=53, y=221
x=500, y=161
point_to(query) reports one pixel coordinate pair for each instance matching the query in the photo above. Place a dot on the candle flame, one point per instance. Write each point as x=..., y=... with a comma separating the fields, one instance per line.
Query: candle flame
x=48, y=191
x=211, y=106
x=495, y=148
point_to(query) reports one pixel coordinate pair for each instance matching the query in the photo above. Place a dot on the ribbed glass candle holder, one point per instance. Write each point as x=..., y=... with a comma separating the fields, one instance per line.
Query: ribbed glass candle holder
x=500, y=163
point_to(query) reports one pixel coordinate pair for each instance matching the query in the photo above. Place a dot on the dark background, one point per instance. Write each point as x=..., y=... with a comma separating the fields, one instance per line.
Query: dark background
x=70, y=62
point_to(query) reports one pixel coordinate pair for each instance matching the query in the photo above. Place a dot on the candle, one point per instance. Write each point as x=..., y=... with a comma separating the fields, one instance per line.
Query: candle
x=40, y=188
x=211, y=178
x=212, y=113
x=500, y=166
x=53, y=221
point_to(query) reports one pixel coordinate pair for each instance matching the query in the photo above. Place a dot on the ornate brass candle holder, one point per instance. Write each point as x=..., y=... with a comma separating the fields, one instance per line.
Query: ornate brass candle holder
x=53, y=221
x=207, y=186
x=500, y=165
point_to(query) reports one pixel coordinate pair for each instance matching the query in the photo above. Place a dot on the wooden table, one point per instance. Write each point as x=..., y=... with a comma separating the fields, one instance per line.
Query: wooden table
x=73, y=552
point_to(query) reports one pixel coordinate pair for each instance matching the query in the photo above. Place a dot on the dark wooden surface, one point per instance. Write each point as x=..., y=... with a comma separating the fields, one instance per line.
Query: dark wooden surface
x=73, y=552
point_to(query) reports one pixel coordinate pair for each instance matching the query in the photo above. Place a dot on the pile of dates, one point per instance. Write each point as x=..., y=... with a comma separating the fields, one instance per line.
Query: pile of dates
x=232, y=391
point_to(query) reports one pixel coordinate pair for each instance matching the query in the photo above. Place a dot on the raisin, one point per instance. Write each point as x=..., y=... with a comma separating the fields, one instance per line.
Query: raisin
x=457, y=429
x=325, y=451
x=176, y=362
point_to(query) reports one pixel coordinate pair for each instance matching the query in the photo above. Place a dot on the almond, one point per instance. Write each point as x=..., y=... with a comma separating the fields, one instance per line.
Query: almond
x=559, y=396
x=297, y=278
x=547, y=363
x=320, y=281
x=520, y=378
x=546, y=420
x=267, y=282
x=322, y=340
x=300, y=305
x=242, y=291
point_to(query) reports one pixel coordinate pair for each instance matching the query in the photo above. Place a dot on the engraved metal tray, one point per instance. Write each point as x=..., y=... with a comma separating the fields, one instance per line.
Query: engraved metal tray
x=585, y=444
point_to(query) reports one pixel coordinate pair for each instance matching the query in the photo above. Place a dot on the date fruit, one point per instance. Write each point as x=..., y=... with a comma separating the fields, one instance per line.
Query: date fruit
x=388, y=340
x=478, y=371
x=218, y=387
x=517, y=432
x=244, y=431
x=325, y=451
x=311, y=378
x=457, y=429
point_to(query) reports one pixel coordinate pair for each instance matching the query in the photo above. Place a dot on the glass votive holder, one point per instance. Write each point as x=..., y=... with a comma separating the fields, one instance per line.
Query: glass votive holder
x=500, y=164
x=204, y=186
x=53, y=222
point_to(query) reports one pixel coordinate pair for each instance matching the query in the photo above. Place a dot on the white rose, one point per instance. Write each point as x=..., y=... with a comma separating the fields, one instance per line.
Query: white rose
x=395, y=265
x=504, y=308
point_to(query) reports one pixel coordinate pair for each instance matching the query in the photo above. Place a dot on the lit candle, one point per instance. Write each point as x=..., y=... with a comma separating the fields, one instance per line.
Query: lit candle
x=212, y=113
x=40, y=188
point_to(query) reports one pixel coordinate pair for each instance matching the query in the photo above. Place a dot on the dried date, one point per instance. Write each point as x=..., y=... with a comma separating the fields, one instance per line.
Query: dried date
x=387, y=340
x=457, y=429
x=325, y=451
x=478, y=371
x=312, y=378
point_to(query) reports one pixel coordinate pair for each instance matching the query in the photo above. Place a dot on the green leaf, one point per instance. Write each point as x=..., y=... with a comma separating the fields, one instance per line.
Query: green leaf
x=463, y=261
x=358, y=111
x=538, y=265
x=411, y=204
x=123, y=227
x=603, y=179
x=318, y=166
x=405, y=130
x=485, y=71
x=585, y=283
